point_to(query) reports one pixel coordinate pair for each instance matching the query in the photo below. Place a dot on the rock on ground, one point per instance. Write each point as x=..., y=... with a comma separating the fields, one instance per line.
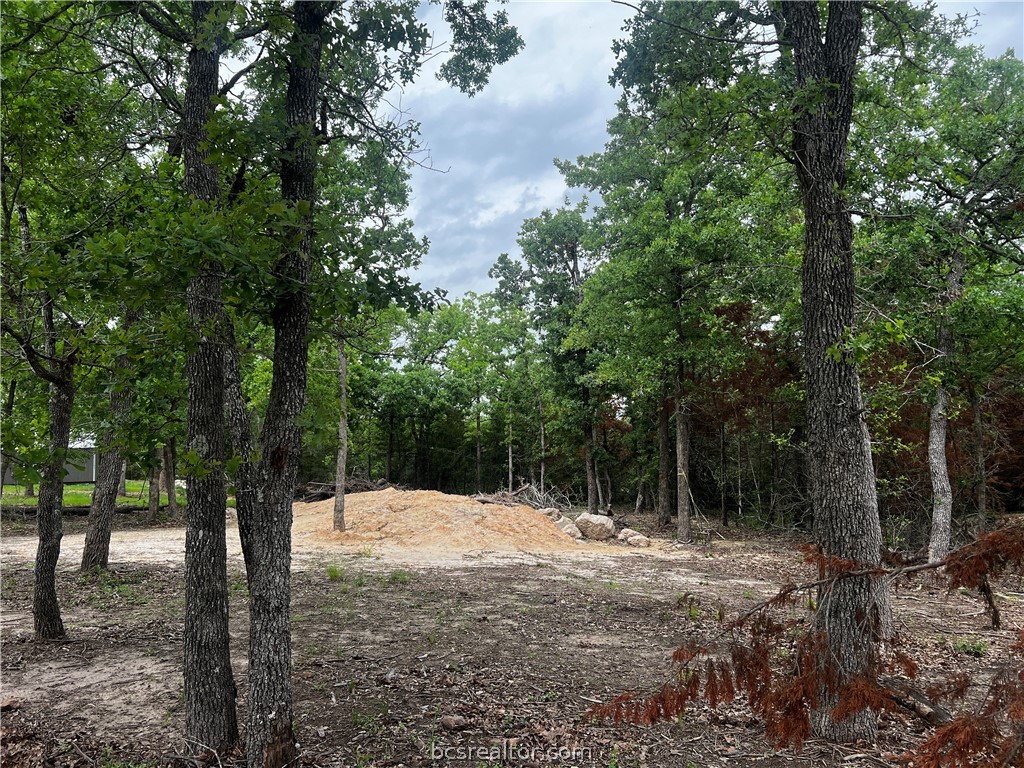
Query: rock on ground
x=568, y=526
x=597, y=527
x=633, y=538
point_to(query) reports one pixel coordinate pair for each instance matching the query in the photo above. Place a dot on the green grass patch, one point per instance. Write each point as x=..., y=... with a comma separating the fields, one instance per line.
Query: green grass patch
x=80, y=495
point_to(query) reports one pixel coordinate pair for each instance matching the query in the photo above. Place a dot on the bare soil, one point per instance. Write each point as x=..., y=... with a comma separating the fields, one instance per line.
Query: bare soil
x=413, y=635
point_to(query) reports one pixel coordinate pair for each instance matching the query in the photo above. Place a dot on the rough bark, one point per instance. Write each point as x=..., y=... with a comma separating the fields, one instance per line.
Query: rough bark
x=593, y=461
x=664, y=462
x=210, y=717
x=390, y=450
x=682, y=460
x=96, y=552
x=723, y=469
x=942, y=492
x=45, y=608
x=479, y=446
x=270, y=739
x=588, y=460
x=12, y=389
x=240, y=430
x=153, y=480
x=543, y=444
x=342, y=457
x=510, y=488
x=59, y=372
x=981, y=473
x=842, y=476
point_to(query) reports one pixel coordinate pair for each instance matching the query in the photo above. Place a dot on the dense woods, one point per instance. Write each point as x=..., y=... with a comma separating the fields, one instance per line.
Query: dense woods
x=791, y=298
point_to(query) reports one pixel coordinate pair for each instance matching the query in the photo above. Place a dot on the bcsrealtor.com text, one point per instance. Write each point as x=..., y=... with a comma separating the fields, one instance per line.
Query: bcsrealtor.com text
x=509, y=751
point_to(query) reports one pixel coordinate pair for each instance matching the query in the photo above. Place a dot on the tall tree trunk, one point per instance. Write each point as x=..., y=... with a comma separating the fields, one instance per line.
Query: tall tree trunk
x=593, y=461
x=510, y=449
x=479, y=448
x=45, y=608
x=664, y=462
x=773, y=480
x=851, y=611
x=153, y=506
x=239, y=423
x=210, y=717
x=5, y=464
x=543, y=445
x=270, y=738
x=981, y=473
x=122, y=482
x=167, y=459
x=60, y=373
x=390, y=451
x=342, y=457
x=588, y=460
x=723, y=468
x=942, y=493
x=682, y=460
x=96, y=552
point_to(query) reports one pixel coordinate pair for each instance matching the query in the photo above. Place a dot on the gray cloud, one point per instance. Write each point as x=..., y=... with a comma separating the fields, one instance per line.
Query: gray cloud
x=553, y=100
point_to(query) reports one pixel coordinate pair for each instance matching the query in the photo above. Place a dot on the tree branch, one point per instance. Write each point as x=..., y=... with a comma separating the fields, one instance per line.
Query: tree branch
x=164, y=23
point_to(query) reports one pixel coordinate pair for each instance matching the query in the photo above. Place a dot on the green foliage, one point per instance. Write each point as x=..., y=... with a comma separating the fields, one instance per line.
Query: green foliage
x=971, y=646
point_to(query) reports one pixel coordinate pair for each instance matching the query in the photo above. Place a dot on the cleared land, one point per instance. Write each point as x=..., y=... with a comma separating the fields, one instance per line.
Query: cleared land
x=438, y=623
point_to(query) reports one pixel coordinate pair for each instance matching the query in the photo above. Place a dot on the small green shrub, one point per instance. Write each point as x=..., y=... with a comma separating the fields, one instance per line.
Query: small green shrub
x=972, y=646
x=400, y=577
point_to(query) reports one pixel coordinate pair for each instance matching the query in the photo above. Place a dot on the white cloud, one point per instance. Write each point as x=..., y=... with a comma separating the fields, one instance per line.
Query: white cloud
x=552, y=100
x=516, y=196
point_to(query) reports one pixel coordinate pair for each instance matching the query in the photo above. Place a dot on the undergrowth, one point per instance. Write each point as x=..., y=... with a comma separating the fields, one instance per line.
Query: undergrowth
x=783, y=668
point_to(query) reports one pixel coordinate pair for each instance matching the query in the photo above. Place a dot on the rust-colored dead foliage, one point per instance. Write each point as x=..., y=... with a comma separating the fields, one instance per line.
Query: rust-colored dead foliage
x=992, y=555
x=782, y=670
x=967, y=740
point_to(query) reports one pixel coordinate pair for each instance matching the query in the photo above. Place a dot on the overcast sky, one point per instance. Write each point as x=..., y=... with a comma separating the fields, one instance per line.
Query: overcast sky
x=552, y=100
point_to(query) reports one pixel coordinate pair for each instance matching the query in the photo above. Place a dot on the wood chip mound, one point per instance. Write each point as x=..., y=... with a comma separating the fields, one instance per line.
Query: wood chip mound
x=430, y=520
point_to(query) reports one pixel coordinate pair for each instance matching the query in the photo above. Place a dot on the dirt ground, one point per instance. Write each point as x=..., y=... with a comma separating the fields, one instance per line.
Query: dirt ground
x=411, y=652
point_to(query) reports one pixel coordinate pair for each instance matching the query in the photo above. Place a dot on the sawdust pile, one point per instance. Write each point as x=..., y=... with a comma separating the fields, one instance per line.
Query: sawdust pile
x=431, y=520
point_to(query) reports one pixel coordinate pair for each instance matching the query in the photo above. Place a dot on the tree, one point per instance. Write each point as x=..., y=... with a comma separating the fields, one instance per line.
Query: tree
x=939, y=201
x=367, y=245
x=549, y=281
x=55, y=294
x=96, y=550
x=842, y=475
x=719, y=50
x=210, y=718
x=674, y=260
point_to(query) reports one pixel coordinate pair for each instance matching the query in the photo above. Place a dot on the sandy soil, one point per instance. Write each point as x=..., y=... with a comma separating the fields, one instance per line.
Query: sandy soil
x=437, y=622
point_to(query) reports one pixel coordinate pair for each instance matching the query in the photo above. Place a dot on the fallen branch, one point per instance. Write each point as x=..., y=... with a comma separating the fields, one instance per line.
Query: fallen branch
x=914, y=700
